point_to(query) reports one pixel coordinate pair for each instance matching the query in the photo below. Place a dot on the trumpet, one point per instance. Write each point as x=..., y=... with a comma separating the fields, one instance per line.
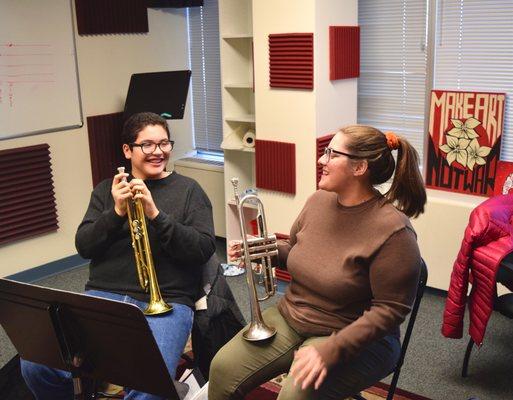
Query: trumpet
x=143, y=258
x=260, y=248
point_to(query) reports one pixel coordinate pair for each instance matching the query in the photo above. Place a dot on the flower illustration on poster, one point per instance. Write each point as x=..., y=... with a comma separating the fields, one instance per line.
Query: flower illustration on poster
x=463, y=145
x=465, y=132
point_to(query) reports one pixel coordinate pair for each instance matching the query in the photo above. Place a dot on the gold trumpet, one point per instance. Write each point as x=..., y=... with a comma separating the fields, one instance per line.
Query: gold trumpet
x=260, y=248
x=143, y=257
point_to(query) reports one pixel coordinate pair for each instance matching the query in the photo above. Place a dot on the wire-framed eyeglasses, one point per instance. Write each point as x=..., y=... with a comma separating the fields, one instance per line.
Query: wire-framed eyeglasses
x=150, y=147
x=328, y=152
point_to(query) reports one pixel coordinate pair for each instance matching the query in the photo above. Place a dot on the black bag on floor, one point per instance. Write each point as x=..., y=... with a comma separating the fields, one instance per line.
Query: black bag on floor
x=222, y=319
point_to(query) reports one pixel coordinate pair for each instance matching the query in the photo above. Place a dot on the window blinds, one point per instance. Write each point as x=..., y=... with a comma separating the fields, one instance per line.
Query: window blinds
x=391, y=87
x=474, y=52
x=206, y=76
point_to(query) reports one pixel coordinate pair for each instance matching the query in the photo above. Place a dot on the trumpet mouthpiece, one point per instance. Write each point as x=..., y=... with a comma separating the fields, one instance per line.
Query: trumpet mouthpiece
x=121, y=170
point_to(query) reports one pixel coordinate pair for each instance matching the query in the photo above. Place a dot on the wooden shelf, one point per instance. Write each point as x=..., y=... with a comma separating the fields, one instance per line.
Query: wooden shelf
x=246, y=85
x=234, y=142
x=236, y=51
x=235, y=36
x=240, y=118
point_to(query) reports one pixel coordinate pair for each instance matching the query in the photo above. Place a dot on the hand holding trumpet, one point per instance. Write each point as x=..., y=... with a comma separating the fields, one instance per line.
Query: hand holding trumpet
x=135, y=189
x=235, y=254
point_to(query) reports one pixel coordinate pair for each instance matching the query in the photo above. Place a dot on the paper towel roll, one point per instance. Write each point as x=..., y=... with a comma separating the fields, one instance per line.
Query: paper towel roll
x=248, y=140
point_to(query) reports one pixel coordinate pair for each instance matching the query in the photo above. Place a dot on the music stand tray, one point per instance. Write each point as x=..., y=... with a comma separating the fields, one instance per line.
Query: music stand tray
x=100, y=339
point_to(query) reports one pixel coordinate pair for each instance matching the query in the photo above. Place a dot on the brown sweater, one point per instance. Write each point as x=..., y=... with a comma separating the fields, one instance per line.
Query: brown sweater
x=354, y=273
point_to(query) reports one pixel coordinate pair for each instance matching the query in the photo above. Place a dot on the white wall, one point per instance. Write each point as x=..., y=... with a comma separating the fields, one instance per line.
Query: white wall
x=336, y=101
x=300, y=116
x=106, y=63
x=285, y=115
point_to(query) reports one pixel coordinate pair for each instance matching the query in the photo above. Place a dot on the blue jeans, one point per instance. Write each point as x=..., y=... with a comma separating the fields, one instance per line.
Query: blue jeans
x=171, y=331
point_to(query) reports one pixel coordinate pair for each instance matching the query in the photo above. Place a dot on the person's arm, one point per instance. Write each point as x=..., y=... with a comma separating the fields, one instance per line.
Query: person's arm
x=285, y=245
x=193, y=241
x=100, y=224
x=394, y=275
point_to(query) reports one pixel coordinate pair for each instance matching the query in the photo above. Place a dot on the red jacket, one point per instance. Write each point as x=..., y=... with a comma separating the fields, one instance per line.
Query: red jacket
x=488, y=239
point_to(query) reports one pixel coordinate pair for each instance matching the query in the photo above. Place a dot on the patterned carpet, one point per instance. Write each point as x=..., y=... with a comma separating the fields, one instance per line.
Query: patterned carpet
x=270, y=390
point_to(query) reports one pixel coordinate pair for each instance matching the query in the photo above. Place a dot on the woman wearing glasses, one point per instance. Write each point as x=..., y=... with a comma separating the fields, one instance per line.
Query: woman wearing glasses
x=181, y=234
x=354, y=263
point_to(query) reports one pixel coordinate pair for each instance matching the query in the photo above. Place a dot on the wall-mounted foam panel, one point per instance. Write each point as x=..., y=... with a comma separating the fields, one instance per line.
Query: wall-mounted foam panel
x=105, y=145
x=291, y=60
x=321, y=144
x=344, y=52
x=275, y=166
x=96, y=17
x=27, y=199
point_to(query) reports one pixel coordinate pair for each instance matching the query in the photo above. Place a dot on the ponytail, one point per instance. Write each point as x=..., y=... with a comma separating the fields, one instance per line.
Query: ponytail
x=407, y=192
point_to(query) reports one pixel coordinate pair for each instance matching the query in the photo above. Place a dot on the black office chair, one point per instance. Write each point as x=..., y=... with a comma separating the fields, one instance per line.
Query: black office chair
x=502, y=304
x=397, y=370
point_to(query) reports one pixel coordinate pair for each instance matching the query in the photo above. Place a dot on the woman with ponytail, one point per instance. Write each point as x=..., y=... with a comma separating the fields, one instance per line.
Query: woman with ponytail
x=354, y=262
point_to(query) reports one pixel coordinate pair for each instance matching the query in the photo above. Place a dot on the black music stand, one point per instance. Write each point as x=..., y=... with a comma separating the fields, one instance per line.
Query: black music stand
x=164, y=93
x=99, y=339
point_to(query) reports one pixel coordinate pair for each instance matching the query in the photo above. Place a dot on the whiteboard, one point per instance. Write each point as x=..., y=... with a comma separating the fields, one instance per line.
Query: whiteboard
x=39, y=87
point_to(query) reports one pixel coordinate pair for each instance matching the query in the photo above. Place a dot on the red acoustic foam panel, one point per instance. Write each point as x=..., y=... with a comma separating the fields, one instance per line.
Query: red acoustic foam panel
x=291, y=60
x=322, y=143
x=27, y=200
x=105, y=147
x=275, y=166
x=96, y=17
x=344, y=52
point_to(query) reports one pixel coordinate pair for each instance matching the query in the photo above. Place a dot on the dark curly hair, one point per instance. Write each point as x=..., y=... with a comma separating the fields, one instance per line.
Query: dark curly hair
x=137, y=122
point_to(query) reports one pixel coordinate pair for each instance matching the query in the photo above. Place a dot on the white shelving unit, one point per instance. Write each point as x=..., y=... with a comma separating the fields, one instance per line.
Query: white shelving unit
x=236, y=47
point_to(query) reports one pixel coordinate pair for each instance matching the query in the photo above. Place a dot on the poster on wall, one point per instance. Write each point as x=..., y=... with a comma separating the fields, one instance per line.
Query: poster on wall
x=504, y=178
x=465, y=132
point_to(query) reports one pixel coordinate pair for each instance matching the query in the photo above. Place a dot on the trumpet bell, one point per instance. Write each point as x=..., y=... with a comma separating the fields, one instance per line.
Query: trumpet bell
x=157, y=307
x=258, y=330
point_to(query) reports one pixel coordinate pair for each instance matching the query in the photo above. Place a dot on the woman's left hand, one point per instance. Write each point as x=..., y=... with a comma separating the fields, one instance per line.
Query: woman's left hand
x=141, y=191
x=308, y=368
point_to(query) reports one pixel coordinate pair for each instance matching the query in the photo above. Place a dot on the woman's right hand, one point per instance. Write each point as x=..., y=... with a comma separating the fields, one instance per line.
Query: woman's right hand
x=120, y=193
x=234, y=250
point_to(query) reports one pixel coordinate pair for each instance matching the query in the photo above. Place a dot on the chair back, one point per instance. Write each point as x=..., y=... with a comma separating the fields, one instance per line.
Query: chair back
x=409, y=328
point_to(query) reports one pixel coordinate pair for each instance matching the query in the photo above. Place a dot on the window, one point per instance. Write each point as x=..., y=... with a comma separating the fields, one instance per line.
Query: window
x=473, y=51
x=393, y=65
x=203, y=24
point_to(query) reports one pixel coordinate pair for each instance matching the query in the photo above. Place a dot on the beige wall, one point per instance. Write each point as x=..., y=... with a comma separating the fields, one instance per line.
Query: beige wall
x=106, y=63
x=299, y=116
x=335, y=101
x=285, y=115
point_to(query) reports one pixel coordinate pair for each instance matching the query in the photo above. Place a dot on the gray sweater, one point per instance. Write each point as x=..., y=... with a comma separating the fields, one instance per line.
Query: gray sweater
x=181, y=239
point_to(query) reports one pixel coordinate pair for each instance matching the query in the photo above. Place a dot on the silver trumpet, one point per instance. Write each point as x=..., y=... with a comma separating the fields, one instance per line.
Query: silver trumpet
x=260, y=249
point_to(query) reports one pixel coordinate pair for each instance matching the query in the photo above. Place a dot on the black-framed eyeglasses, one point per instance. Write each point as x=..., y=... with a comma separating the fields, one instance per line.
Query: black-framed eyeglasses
x=150, y=147
x=328, y=152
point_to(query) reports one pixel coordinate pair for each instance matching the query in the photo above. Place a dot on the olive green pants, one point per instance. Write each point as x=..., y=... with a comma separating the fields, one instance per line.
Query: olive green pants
x=240, y=366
